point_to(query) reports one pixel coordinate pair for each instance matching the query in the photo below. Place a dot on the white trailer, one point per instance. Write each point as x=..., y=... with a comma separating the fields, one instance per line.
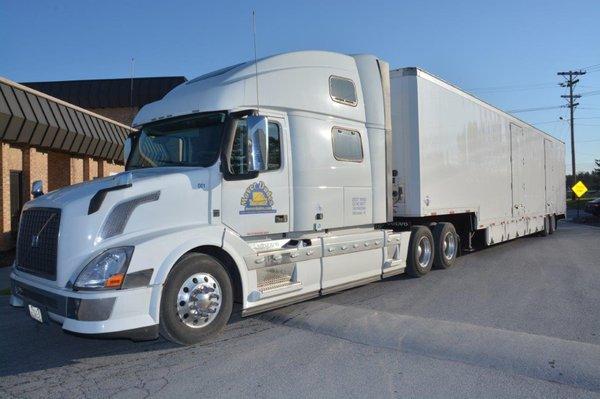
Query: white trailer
x=462, y=160
x=273, y=182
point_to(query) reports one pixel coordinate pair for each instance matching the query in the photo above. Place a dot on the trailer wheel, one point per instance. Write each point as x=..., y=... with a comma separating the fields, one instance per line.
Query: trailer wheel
x=546, y=230
x=420, y=251
x=552, y=223
x=197, y=300
x=446, y=245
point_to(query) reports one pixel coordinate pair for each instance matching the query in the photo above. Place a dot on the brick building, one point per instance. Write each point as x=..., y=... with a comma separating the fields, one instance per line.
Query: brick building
x=64, y=133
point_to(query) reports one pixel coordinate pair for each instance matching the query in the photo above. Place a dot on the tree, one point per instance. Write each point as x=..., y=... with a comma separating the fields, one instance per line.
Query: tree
x=597, y=168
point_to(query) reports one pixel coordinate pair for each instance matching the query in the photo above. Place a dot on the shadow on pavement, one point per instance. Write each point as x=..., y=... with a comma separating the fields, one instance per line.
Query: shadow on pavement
x=27, y=346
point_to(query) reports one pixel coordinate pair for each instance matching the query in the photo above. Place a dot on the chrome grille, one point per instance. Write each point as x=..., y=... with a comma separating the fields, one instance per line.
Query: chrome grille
x=37, y=242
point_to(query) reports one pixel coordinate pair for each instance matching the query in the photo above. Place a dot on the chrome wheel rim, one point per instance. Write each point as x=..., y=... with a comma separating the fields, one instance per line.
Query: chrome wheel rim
x=449, y=246
x=199, y=300
x=424, y=252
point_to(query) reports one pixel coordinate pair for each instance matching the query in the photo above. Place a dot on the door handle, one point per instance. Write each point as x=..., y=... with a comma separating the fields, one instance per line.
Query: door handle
x=281, y=218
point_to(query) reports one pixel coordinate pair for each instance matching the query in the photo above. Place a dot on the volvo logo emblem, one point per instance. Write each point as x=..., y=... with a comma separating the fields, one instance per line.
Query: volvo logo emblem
x=35, y=239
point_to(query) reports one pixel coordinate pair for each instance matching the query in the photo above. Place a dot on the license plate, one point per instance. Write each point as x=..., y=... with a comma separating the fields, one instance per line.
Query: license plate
x=36, y=313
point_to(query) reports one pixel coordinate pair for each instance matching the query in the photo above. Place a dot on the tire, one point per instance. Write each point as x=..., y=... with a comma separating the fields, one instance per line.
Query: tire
x=446, y=244
x=546, y=230
x=552, y=223
x=419, y=263
x=184, y=320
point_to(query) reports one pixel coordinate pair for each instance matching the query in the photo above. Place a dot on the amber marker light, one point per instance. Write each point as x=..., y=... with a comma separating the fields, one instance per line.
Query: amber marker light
x=114, y=281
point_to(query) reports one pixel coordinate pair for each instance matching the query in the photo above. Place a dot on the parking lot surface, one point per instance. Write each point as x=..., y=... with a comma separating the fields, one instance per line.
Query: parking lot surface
x=520, y=319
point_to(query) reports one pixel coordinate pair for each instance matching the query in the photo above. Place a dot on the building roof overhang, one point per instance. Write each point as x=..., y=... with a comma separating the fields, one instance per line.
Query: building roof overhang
x=34, y=118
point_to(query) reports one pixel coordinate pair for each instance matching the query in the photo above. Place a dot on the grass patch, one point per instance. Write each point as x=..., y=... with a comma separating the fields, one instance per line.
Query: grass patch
x=5, y=291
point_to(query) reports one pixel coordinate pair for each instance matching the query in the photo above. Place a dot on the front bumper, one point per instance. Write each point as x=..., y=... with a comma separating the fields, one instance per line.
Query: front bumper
x=115, y=313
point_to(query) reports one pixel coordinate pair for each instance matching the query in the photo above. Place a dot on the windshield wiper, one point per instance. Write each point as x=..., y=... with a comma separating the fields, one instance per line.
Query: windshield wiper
x=172, y=163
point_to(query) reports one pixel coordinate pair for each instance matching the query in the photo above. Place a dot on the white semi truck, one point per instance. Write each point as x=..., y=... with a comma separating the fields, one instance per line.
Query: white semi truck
x=274, y=182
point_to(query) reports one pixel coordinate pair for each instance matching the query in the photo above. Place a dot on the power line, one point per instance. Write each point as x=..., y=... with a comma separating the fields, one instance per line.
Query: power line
x=514, y=86
x=492, y=89
x=545, y=122
x=570, y=82
x=591, y=66
x=591, y=93
x=514, y=111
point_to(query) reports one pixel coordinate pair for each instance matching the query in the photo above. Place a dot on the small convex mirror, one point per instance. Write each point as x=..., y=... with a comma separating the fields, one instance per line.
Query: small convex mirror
x=37, y=188
x=258, y=143
x=127, y=149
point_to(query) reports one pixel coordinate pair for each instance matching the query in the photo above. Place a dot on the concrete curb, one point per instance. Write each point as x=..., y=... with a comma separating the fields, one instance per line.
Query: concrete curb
x=536, y=356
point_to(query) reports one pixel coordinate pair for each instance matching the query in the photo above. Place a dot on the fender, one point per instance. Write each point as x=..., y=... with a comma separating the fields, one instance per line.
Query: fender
x=164, y=248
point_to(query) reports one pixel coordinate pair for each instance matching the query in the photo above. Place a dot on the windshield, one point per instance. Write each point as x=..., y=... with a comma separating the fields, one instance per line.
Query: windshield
x=189, y=141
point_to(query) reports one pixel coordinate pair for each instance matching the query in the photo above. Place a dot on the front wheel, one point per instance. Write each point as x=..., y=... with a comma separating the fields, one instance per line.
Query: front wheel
x=420, y=252
x=197, y=300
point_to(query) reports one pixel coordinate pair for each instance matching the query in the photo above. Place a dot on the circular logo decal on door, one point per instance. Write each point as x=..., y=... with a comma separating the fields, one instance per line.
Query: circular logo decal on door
x=257, y=199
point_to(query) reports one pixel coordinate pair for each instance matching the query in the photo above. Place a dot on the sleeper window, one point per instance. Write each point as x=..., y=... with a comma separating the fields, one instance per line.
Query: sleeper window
x=342, y=90
x=347, y=145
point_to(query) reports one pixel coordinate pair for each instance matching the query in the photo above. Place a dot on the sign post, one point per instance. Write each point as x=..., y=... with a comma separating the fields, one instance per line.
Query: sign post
x=579, y=189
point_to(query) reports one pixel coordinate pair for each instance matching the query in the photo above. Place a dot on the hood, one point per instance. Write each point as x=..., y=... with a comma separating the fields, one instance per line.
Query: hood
x=83, y=191
x=157, y=199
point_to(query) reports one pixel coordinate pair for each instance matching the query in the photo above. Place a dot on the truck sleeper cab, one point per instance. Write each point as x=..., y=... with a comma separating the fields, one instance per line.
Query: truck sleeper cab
x=224, y=200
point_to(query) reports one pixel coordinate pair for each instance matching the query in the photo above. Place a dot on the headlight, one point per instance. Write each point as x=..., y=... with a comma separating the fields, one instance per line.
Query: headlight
x=105, y=271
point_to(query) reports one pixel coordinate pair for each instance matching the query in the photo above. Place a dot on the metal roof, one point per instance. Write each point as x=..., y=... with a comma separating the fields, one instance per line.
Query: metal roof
x=33, y=118
x=109, y=93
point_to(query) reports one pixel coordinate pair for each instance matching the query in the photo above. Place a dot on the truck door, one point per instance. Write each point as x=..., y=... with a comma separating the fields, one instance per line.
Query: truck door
x=261, y=205
x=517, y=163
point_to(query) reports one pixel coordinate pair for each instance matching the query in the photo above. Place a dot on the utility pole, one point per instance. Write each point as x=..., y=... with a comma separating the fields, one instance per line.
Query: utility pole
x=572, y=80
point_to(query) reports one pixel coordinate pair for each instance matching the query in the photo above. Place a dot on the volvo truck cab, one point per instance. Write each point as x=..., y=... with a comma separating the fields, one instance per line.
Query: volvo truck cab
x=262, y=184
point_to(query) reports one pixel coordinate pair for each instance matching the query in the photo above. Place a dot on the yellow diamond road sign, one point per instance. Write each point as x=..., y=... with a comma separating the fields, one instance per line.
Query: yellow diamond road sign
x=579, y=189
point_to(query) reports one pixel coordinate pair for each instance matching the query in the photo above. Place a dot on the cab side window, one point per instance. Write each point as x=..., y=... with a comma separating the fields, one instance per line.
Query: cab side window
x=239, y=154
x=274, y=146
x=347, y=145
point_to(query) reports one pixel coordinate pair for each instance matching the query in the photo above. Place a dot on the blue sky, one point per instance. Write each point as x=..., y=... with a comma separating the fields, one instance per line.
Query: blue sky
x=506, y=52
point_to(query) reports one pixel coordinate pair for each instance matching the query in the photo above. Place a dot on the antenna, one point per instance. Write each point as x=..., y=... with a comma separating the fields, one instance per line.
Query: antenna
x=131, y=90
x=255, y=60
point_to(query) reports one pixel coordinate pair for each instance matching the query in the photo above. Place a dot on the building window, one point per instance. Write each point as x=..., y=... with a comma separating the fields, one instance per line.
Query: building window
x=342, y=90
x=347, y=145
x=239, y=154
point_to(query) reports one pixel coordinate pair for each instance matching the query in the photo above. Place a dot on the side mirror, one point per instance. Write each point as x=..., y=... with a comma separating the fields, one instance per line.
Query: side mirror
x=127, y=149
x=37, y=188
x=258, y=143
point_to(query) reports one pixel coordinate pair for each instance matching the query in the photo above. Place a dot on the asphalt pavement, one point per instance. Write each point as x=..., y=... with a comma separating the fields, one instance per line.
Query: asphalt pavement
x=520, y=319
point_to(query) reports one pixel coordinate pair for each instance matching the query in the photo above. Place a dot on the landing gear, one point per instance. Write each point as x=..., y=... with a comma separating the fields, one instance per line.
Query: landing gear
x=552, y=220
x=546, y=230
